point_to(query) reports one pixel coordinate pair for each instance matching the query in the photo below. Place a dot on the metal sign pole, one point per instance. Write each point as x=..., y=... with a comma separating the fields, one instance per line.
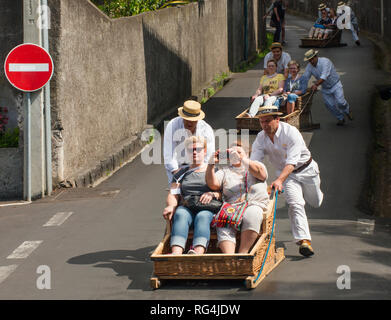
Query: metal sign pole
x=27, y=122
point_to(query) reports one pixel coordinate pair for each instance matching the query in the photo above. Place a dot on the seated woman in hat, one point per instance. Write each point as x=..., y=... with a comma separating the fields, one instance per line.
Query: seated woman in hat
x=242, y=180
x=295, y=86
x=270, y=89
x=317, y=30
x=187, y=182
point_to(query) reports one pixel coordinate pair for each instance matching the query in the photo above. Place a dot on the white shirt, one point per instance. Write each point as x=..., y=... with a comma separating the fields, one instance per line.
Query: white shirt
x=174, y=137
x=282, y=64
x=288, y=147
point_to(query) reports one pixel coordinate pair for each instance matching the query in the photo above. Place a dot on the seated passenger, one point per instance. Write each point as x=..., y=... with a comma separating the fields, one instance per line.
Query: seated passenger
x=187, y=182
x=332, y=26
x=317, y=30
x=242, y=174
x=295, y=85
x=271, y=86
x=321, y=7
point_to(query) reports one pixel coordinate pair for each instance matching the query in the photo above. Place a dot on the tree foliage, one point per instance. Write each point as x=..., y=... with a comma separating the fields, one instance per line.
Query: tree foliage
x=124, y=8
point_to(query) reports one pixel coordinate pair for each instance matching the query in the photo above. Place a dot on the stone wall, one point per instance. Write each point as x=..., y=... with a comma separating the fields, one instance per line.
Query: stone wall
x=11, y=159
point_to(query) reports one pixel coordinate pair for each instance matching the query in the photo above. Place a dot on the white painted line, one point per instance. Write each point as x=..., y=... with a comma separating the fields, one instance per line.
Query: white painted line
x=58, y=219
x=28, y=67
x=14, y=203
x=24, y=250
x=5, y=271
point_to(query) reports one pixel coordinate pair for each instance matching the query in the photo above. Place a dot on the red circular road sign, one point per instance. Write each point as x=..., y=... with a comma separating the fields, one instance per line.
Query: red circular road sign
x=28, y=67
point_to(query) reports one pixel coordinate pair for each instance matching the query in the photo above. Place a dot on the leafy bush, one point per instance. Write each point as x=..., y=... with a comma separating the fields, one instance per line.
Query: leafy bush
x=9, y=138
x=124, y=8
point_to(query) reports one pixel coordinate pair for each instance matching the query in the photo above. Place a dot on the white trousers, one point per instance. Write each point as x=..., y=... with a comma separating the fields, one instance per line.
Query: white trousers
x=335, y=101
x=300, y=188
x=259, y=101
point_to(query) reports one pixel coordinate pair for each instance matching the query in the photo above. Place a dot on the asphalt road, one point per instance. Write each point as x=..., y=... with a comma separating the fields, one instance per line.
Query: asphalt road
x=99, y=246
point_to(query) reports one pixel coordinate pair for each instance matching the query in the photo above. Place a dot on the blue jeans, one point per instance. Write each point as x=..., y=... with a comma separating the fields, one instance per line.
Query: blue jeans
x=292, y=97
x=183, y=220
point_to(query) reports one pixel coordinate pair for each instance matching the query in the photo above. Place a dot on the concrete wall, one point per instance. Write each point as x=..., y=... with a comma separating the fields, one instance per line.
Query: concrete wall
x=113, y=77
x=11, y=159
x=367, y=11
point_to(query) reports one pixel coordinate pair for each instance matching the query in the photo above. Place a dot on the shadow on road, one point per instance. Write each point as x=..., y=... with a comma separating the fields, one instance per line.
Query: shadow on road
x=134, y=264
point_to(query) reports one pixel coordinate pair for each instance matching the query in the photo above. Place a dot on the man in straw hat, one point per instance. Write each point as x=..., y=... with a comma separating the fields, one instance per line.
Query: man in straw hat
x=189, y=122
x=297, y=172
x=324, y=72
x=321, y=7
x=352, y=24
x=280, y=56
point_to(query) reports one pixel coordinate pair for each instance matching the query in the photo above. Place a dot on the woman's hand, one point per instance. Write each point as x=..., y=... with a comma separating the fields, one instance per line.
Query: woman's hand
x=168, y=212
x=206, y=197
x=214, y=159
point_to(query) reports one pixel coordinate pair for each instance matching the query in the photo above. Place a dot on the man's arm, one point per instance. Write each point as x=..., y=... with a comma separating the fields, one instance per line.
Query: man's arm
x=278, y=183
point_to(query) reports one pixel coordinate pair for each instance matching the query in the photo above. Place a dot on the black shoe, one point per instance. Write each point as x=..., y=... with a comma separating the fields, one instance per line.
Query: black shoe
x=358, y=42
x=306, y=248
x=341, y=122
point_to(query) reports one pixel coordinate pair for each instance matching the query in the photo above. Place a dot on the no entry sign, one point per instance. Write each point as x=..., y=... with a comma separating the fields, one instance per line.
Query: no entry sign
x=28, y=67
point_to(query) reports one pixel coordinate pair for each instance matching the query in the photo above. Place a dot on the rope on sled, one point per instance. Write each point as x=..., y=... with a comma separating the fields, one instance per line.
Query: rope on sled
x=270, y=241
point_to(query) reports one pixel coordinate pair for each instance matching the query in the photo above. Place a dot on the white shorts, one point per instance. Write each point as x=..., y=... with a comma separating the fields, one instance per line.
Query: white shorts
x=252, y=220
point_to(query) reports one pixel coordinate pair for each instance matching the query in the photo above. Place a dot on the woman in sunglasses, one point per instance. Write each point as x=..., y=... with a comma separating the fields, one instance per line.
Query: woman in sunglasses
x=242, y=180
x=188, y=182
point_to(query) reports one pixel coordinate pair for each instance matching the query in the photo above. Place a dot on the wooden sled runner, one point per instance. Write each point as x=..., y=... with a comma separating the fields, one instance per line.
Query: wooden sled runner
x=301, y=117
x=333, y=41
x=214, y=264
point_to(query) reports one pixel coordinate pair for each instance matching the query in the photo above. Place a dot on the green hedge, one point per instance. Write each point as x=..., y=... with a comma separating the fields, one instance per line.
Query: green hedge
x=125, y=8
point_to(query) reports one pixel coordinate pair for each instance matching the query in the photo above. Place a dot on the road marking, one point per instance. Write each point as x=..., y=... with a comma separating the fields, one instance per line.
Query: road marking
x=24, y=250
x=5, y=271
x=28, y=67
x=58, y=219
x=365, y=226
x=110, y=193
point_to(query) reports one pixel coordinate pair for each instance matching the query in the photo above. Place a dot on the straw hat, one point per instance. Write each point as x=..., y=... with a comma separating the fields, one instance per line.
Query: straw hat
x=322, y=6
x=276, y=45
x=310, y=54
x=268, y=111
x=341, y=3
x=191, y=111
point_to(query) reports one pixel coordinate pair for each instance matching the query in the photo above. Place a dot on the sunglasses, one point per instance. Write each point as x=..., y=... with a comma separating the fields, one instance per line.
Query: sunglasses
x=197, y=149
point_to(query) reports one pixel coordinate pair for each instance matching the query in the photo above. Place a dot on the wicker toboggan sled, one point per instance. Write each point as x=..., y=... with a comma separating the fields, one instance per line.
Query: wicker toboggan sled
x=214, y=264
x=301, y=117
